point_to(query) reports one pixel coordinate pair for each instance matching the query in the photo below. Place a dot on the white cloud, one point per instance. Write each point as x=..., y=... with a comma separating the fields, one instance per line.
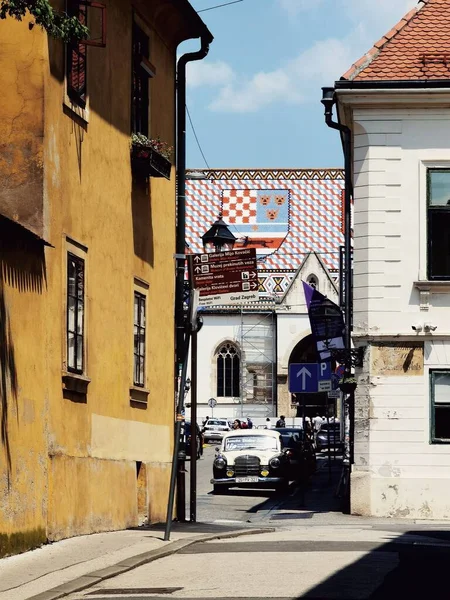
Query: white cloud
x=299, y=79
x=294, y=83
x=201, y=73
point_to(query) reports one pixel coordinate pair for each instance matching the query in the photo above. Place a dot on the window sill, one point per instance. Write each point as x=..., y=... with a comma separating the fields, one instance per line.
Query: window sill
x=139, y=395
x=426, y=288
x=75, y=111
x=72, y=382
x=436, y=286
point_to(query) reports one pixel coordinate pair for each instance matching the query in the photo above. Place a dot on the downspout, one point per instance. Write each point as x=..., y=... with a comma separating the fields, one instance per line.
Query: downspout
x=181, y=194
x=182, y=328
x=328, y=100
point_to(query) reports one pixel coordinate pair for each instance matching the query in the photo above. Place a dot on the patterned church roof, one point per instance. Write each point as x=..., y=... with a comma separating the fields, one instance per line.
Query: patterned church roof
x=284, y=214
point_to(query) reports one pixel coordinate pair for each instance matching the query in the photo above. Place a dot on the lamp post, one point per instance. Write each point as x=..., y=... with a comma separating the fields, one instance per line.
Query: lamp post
x=217, y=239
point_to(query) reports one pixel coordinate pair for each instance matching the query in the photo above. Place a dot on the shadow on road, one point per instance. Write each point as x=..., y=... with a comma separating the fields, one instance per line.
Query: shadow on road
x=406, y=568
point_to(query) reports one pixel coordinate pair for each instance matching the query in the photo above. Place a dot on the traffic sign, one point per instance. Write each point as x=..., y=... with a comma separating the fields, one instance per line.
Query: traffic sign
x=225, y=277
x=212, y=402
x=309, y=377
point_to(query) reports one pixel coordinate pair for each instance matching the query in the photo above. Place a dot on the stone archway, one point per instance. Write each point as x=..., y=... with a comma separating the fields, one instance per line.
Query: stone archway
x=302, y=405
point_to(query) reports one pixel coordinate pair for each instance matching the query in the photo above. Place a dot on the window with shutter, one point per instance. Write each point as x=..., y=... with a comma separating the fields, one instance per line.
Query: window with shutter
x=93, y=15
x=77, y=61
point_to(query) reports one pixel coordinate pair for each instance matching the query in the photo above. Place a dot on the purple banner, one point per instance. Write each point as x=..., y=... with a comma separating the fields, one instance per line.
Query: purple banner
x=327, y=322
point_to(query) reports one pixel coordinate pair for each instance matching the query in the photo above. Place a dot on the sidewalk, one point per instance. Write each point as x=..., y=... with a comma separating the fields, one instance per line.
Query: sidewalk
x=57, y=569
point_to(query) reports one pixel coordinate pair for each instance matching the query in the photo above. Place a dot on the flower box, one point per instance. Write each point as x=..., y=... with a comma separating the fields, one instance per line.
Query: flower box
x=147, y=162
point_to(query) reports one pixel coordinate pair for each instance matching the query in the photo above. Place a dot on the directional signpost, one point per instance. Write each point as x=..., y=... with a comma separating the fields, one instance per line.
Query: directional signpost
x=309, y=378
x=225, y=277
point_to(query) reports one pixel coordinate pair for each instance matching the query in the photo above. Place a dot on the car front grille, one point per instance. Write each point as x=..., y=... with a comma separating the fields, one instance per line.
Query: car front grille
x=246, y=465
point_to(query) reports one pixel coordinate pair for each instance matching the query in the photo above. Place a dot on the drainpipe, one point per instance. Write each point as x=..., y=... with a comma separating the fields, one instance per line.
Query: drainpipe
x=328, y=100
x=182, y=329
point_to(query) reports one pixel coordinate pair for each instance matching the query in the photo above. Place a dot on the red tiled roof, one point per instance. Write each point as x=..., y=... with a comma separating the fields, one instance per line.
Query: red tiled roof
x=417, y=48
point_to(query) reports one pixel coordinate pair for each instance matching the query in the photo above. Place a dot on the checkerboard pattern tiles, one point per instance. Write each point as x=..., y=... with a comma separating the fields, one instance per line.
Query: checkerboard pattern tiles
x=239, y=206
x=314, y=218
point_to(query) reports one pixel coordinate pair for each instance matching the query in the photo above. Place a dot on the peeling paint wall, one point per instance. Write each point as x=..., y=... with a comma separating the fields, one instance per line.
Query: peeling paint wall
x=71, y=472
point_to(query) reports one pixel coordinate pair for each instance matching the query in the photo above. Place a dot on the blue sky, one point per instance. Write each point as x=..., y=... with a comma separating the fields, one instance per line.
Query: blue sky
x=255, y=99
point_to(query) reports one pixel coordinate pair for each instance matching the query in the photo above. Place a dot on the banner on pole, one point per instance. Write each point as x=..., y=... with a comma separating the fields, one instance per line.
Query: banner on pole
x=327, y=322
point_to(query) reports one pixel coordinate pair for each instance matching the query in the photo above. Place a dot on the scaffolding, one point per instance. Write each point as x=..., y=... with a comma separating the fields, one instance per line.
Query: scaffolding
x=257, y=338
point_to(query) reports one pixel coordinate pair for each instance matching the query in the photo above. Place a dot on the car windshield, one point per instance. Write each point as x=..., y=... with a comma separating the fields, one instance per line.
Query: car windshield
x=251, y=442
x=217, y=422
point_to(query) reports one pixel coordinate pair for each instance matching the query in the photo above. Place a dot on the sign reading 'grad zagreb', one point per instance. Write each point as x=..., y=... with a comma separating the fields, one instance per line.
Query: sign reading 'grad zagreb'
x=225, y=277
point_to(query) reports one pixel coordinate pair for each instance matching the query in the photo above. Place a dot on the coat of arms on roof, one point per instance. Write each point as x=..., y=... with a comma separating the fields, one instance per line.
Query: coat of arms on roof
x=260, y=217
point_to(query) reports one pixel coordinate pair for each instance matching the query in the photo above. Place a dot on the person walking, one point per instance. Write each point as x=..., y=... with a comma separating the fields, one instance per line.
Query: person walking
x=237, y=424
x=249, y=423
x=268, y=424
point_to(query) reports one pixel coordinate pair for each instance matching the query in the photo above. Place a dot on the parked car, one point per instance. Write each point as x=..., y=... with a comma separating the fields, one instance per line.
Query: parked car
x=252, y=458
x=334, y=437
x=299, y=448
x=214, y=429
x=187, y=431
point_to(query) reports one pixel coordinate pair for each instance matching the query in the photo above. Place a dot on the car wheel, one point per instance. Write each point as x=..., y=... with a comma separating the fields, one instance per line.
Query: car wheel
x=220, y=489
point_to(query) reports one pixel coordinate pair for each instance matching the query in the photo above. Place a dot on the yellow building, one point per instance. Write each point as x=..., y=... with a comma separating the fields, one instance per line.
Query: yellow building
x=87, y=246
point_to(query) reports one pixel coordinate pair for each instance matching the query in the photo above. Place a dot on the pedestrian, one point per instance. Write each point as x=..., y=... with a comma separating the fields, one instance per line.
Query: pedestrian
x=249, y=423
x=268, y=424
x=317, y=425
x=205, y=421
x=236, y=424
x=281, y=422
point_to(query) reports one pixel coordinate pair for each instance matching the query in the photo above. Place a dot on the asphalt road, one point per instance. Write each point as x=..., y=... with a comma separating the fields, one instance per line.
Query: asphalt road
x=237, y=506
x=343, y=563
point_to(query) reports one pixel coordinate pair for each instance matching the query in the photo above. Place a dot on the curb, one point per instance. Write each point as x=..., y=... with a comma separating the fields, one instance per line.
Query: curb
x=90, y=579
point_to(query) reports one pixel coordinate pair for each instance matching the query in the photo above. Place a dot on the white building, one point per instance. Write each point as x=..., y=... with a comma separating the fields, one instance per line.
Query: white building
x=396, y=102
x=244, y=353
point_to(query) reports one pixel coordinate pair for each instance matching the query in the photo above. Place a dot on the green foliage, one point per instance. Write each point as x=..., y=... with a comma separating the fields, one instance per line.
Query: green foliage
x=56, y=24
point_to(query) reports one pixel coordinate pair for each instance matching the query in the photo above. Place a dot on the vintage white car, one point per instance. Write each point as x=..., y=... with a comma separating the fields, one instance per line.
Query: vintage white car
x=251, y=458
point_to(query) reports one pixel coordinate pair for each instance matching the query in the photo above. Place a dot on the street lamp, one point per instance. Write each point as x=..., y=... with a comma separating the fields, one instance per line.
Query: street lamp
x=218, y=238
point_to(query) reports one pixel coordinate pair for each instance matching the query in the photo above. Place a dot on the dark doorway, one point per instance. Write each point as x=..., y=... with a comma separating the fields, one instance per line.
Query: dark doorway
x=308, y=405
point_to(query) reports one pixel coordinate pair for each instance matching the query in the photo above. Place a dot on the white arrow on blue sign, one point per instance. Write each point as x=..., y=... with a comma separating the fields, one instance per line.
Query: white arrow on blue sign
x=305, y=377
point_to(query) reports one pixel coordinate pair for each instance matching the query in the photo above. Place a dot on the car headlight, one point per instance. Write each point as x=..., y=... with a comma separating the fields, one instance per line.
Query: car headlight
x=274, y=462
x=220, y=463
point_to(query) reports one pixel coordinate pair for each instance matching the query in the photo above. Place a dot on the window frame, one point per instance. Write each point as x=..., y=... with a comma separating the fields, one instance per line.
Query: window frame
x=141, y=70
x=220, y=360
x=76, y=97
x=74, y=368
x=137, y=355
x=433, y=210
x=433, y=438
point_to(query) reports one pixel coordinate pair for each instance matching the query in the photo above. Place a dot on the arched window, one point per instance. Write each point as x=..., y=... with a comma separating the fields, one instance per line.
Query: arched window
x=228, y=371
x=313, y=281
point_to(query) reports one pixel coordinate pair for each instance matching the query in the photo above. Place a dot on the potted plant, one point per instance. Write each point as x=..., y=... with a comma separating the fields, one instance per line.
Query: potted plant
x=150, y=157
x=348, y=384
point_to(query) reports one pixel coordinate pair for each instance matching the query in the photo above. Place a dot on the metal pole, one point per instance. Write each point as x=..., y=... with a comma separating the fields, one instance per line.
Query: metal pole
x=328, y=100
x=176, y=446
x=329, y=448
x=193, y=469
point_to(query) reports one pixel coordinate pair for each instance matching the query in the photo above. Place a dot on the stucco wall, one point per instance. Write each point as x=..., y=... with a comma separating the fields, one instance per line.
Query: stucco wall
x=397, y=472
x=73, y=462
